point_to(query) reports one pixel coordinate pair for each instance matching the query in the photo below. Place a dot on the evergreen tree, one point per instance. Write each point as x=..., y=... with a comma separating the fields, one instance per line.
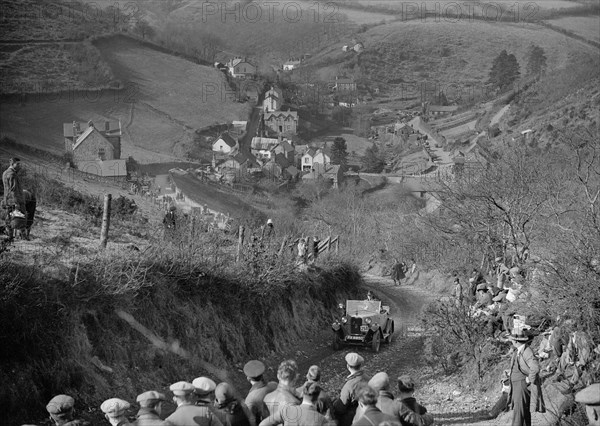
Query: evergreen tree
x=339, y=151
x=373, y=160
x=536, y=64
x=505, y=70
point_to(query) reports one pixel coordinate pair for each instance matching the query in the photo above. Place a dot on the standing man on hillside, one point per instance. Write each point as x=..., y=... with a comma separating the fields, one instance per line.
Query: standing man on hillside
x=344, y=408
x=13, y=191
x=524, y=370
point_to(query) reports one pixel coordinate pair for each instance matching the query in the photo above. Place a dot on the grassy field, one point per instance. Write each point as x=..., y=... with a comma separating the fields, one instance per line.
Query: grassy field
x=416, y=56
x=159, y=110
x=587, y=27
x=52, y=67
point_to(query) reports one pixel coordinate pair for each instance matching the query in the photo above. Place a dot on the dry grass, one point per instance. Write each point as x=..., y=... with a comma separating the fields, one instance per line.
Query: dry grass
x=50, y=68
x=587, y=27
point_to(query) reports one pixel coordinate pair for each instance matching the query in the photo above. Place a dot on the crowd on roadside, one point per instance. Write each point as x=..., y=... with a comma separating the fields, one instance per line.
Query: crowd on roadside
x=363, y=401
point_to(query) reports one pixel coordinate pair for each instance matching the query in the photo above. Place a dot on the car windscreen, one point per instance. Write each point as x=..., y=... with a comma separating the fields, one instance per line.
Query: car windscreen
x=354, y=306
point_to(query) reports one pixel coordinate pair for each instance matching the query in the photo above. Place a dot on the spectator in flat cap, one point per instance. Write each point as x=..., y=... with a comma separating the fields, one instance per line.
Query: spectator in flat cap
x=61, y=409
x=410, y=409
x=323, y=402
x=235, y=412
x=484, y=298
x=150, y=409
x=590, y=397
x=305, y=414
x=255, y=400
x=188, y=414
x=204, y=391
x=285, y=394
x=115, y=410
x=367, y=403
x=344, y=407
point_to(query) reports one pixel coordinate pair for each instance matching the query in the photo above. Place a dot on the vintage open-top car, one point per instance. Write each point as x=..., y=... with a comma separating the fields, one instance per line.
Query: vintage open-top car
x=363, y=322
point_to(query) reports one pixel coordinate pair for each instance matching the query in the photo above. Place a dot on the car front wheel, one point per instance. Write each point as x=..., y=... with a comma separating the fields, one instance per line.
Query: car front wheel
x=376, y=343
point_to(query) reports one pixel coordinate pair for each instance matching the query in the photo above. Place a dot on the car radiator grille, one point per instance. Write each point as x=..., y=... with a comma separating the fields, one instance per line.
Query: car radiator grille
x=355, y=324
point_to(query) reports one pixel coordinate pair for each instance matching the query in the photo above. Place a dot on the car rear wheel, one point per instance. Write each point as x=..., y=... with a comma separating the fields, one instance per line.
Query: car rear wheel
x=376, y=344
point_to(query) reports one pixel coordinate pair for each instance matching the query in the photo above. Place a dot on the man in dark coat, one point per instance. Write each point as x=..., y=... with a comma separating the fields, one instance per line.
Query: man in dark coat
x=305, y=414
x=254, y=371
x=235, y=411
x=524, y=374
x=398, y=272
x=371, y=415
x=285, y=394
x=344, y=408
x=323, y=402
x=13, y=191
x=150, y=409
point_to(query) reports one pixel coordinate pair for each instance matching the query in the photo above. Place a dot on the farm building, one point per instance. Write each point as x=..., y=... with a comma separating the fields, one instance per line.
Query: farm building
x=241, y=68
x=343, y=84
x=282, y=122
x=109, y=131
x=291, y=64
x=225, y=144
x=441, y=111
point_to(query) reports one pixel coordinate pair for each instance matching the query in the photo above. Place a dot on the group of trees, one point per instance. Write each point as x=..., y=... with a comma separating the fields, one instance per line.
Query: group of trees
x=506, y=69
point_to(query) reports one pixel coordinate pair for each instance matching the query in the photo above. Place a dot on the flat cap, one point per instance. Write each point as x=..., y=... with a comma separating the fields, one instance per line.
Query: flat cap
x=380, y=381
x=482, y=287
x=150, y=396
x=406, y=383
x=314, y=373
x=354, y=360
x=254, y=368
x=203, y=385
x=182, y=388
x=60, y=404
x=114, y=407
x=589, y=395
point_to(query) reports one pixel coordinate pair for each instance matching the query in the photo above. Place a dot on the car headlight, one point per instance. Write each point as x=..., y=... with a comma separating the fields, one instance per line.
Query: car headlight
x=344, y=320
x=368, y=320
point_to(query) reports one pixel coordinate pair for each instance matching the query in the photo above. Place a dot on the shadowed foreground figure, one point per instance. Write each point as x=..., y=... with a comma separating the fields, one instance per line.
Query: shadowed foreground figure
x=62, y=411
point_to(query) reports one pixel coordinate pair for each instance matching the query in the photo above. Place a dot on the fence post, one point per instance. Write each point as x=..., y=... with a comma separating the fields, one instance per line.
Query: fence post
x=105, y=221
x=240, y=244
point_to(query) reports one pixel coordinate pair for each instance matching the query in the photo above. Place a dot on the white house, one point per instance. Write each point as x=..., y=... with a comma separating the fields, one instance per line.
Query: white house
x=306, y=162
x=321, y=157
x=291, y=64
x=273, y=100
x=241, y=68
x=225, y=144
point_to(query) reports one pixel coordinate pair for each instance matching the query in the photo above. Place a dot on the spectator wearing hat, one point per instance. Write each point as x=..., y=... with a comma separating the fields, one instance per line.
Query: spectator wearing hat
x=524, y=372
x=367, y=403
x=114, y=410
x=411, y=409
x=285, y=394
x=150, y=409
x=323, y=403
x=204, y=391
x=236, y=413
x=590, y=397
x=386, y=402
x=188, y=414
x=255, y=400
x=484, y=298
x=344, y=408
x=305, y=414
x=61, y=409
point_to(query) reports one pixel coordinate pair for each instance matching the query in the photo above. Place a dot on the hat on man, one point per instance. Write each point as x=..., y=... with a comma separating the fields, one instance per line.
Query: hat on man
x=149, y=398
x=224, y=393
x=589, y=395
x=380, y=381
x=482, y=286
x=60, y=405
x=114, y=407
x=520, y=337
x=203, y=385
x=406, y=383
x=354, y=360
x=254, y=369
x=314, y=373
x=182, y=388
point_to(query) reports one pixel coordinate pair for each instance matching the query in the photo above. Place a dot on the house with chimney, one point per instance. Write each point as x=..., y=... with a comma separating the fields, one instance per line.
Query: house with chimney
x=241, y=68
x=282, y=122
x=273, y=100
x=95, y=148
